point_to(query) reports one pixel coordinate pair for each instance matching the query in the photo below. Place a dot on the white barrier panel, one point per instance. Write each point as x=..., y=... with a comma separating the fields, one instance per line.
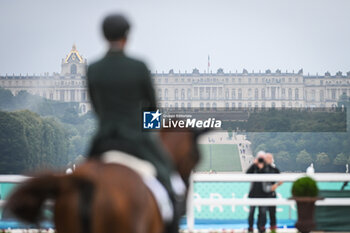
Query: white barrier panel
x=269, y=201
x=13, y=178
x=237, y=177
x=241, y=177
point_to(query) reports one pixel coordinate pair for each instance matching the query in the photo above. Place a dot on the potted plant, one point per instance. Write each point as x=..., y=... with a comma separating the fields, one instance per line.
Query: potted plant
x=305, y=193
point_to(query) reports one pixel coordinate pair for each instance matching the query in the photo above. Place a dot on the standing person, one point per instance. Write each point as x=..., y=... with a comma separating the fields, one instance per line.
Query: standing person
x=271, y=187
x=119, y=88
x=256, y=191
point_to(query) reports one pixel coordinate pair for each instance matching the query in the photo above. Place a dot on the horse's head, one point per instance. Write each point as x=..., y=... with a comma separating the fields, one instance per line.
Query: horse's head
x=182, y=146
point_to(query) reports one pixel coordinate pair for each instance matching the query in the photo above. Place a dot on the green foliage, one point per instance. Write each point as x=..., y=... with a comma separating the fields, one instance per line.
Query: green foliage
x=322, y=159
x=29, y=142
x=6, y=98
x=305, y=187
x=292, y=120
x=284, y=160
x=341, y=159
x=313, y=144
x=304, y=158
x=49, y=138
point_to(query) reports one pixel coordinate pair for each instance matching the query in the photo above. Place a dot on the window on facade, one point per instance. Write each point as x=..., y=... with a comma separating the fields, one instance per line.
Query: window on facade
x=256, y=105
x=296, y=93
x=188, y=105
x=273, y=93
x=227, y=106
x=233, y=94
x=176, y=94
x=61, y=95
x=227, y=93
x=321, y=95
x=239, y=105
x=239, y=93
x=72, y=95
x=220, y=92
x=182, y=105
x=201, y=92
x=214, y=92
x=166, y=94
x=159, y=93
x=214, y=106
x=176, y=106
x=333, y=94
x=188, y=94
x=249, y=93
x=196, y=91
x=207, y=106
x=249, y=104
x=263, y=93
x=256, y=80
x=289, y=93
x=201, y=106
x=233, y=105
x=183, y=94
x=207, y=92
x=313, y=95
x=283, y=93
x=73, y=69
x=256, y=93
x=273, y=104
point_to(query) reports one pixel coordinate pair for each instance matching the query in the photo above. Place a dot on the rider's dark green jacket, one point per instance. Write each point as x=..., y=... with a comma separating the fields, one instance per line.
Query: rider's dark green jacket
x=119, y=88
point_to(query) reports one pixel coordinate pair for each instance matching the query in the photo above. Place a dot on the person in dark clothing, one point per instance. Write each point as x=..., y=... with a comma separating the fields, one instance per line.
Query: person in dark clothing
x=271, y=168
x=257, y=191
x=120, y=88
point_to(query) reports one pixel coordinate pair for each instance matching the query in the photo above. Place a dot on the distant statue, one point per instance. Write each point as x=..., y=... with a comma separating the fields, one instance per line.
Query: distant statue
x=310, y=170
x=69, y=171
x=347, y=168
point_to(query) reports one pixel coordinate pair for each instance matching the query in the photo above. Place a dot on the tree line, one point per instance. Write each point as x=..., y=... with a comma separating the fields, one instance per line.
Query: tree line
x=295, y=151
x=36, y=133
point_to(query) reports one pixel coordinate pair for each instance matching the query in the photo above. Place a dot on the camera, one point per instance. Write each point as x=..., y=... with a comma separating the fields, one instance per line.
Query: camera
x=261, y=160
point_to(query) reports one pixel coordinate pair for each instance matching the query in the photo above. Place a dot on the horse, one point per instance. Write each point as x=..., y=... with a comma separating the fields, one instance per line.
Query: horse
x=101, y=197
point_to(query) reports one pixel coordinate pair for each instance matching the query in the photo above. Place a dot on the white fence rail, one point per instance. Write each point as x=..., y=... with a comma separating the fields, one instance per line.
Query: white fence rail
x=236, y=177
x=285, y=177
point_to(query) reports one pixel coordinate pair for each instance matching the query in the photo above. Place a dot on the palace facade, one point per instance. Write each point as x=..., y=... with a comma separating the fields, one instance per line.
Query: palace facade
x=67, y=86
x=195, y=89
x=250, y=90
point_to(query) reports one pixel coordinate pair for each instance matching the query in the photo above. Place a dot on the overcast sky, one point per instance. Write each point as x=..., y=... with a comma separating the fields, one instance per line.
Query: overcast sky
x=180, y=34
